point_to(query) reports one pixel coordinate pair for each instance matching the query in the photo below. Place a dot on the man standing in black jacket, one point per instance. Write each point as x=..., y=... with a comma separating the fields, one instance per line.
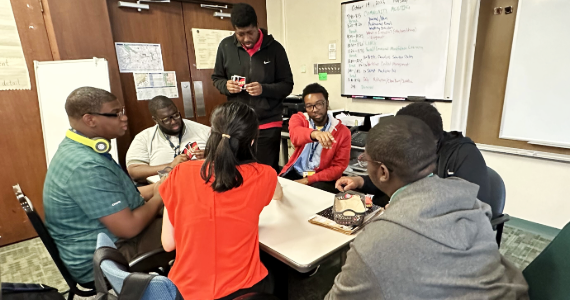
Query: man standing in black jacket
x=254, y=54
x=458, y=156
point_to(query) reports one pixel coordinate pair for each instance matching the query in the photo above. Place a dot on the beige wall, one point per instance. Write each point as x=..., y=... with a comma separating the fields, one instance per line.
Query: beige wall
x=305, y=28
x=275, y=20
x=537, y=190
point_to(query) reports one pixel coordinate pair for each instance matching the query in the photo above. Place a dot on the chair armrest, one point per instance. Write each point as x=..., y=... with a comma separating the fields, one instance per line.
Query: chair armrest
x=151, y=261
x=256, y=296
x=500, y=220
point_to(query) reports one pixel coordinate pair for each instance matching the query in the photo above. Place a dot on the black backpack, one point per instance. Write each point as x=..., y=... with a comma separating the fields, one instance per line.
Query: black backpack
x=29, y=291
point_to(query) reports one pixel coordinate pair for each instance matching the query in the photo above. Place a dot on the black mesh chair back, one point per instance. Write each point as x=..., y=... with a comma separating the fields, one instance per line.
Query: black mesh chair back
x=51, y=247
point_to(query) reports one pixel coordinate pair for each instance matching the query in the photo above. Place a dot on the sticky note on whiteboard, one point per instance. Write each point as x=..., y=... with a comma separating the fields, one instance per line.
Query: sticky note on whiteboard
x=323, y=76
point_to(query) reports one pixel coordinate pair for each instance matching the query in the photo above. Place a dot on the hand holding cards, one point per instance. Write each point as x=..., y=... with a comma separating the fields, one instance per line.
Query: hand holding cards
x=240, y=81
x=233, y=87
x=190, y=148
x=236, y=84
x=193, y=150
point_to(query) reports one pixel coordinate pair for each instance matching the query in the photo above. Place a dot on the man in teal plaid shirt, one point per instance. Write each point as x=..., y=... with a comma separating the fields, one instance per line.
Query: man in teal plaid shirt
x=86, y=192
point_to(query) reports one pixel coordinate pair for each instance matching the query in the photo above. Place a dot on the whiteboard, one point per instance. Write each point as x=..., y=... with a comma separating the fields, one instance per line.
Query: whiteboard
x=55, y=80
x=395, y=48
x=536, y=103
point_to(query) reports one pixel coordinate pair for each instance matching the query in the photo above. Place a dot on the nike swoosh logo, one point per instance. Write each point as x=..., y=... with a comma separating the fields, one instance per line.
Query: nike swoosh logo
x=266, y=62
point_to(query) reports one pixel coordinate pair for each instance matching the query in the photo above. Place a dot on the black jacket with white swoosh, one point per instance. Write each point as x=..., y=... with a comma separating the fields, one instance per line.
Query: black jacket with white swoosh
x=269, y=66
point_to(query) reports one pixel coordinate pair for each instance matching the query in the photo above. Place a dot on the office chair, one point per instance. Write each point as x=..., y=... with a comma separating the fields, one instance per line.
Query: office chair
x=48, y=242
x=256, y=296
x=498, y=198
x=153, y=261
x=114, y=267
x=157, y=261
x=548, y=275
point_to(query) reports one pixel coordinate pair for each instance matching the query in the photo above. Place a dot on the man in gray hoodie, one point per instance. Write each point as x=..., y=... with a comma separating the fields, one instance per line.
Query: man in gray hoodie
x=434, y=241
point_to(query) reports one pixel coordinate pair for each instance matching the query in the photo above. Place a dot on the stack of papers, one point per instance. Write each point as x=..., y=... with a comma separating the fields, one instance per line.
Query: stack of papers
x=350, y=120
x=375, y=119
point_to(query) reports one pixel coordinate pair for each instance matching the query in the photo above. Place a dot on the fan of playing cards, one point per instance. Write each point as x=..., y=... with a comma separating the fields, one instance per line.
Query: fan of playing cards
x=240, y=80
x=191, y=148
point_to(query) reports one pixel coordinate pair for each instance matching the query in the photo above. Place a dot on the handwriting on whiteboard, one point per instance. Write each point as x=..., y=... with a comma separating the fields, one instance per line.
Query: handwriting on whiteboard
x=389, y=43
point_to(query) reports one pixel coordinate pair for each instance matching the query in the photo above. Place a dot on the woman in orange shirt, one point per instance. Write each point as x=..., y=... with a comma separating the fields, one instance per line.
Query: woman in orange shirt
x=212, y=211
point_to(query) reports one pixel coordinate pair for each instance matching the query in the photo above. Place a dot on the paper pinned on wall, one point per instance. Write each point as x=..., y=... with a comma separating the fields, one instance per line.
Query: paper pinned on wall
x=150, y=85
x=138, y=57
x=13, y=69
x=206, y=42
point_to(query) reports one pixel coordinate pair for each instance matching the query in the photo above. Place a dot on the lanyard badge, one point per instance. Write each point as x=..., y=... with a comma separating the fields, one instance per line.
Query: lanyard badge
x=176, y=149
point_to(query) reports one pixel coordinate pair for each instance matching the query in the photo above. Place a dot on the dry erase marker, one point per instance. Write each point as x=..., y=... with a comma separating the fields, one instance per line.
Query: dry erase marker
x=416, y=98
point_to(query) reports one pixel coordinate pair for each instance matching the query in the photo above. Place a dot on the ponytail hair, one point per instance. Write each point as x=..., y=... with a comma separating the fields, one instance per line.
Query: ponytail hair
x=234, y=127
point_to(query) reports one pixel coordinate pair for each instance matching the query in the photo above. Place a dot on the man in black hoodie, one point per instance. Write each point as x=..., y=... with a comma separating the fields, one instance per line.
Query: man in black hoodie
x=458, y=156
x=254, y=54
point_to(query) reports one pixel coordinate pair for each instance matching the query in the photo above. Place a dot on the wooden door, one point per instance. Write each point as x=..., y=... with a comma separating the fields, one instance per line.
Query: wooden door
x=197, y=17
x=23, y=158
x=162, y=24
x=66, y=32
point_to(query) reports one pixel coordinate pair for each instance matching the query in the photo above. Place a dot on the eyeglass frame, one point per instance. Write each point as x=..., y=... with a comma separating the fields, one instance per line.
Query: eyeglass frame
x=123, y=112
x=175, y=116
x=360, y=160
x=312, y=106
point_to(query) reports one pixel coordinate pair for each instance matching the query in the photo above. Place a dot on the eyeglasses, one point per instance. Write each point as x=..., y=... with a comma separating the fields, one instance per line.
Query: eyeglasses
x=363, y=162
x=169, y=119
x=110, y=115
x=318, y=105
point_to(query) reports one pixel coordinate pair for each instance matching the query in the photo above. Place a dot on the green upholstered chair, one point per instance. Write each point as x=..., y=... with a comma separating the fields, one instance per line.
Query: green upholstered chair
x=548, y=275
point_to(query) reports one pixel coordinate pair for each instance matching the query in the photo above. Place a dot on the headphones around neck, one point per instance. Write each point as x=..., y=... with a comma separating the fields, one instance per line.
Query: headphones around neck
x=99, y=145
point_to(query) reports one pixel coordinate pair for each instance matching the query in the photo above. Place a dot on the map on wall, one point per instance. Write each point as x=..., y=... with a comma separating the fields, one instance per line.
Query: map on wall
x=13, y=69
x=138, y=57
x=149, y=85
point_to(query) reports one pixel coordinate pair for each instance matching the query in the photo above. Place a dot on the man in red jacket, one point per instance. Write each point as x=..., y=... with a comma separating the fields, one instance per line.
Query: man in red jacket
x=322, y=143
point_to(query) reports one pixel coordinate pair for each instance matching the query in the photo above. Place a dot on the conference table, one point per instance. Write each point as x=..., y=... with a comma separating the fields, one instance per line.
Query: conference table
x=285, y=232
